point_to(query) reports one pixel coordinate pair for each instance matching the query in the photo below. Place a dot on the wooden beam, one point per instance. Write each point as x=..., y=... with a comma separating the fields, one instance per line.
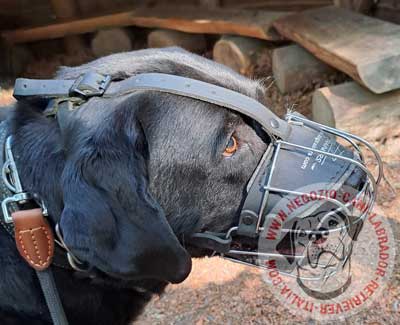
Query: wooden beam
x=256, y=24
x=365, y=48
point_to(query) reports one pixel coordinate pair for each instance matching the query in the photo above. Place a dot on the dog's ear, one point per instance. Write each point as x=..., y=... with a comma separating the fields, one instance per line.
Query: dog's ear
x=110, y=219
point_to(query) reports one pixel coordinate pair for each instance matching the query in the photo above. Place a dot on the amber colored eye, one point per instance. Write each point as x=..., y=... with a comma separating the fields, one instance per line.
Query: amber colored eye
x=231, y=147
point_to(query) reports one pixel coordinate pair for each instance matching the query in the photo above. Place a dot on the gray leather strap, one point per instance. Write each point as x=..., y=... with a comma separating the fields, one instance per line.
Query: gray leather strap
x=52, y=297
x=93, y=84
x=206, y=92
x=87, y=85
x=46, y=88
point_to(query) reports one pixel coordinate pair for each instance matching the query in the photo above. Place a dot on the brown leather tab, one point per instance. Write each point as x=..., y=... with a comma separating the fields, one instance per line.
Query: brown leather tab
x=34, y=238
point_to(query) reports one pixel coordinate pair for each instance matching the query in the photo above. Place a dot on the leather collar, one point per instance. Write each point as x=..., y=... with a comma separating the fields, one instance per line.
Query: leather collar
x=60, y=258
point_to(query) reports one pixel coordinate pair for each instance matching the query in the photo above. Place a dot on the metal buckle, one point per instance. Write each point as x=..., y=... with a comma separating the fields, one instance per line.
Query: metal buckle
x=91, y=84
x=17, y=198
x=11, y=180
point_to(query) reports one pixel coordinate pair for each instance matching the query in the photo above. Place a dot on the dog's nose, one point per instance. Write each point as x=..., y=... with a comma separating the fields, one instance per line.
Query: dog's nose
x=320, y=236
x=181, y=273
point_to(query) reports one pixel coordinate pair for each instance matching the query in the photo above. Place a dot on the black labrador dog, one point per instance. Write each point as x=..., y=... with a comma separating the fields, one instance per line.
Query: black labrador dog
x=128, y=180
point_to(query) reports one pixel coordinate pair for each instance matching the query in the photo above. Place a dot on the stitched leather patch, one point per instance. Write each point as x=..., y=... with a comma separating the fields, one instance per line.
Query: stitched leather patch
x=34, y=238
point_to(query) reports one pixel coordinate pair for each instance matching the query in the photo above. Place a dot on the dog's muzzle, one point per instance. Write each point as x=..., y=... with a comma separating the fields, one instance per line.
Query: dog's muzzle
x=305, y=203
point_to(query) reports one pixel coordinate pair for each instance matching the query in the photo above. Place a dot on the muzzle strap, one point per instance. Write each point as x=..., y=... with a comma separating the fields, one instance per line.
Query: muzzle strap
x=94, y=84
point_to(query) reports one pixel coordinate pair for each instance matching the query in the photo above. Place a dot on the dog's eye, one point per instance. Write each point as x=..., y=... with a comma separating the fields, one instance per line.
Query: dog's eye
x=332, y=223
x=231, y=147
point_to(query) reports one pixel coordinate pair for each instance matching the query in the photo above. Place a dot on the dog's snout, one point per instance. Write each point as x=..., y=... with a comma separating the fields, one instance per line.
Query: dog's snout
x=319, y=236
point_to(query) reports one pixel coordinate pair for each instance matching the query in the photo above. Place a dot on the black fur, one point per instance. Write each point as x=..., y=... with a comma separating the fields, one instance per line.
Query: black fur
x=128, y=179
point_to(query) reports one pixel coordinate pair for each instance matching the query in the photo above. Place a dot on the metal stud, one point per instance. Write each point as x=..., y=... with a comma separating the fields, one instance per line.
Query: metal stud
x=274, y=123
x=248, y=220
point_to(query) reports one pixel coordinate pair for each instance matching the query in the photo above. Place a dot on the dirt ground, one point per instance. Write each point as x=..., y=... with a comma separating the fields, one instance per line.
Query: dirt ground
x=221, y=292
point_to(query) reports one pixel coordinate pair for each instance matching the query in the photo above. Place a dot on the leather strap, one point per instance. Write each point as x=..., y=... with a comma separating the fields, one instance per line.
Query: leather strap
x=206, y=92
x=52, y=297
x=48, y=88
x=34, y=238
x=87, y=85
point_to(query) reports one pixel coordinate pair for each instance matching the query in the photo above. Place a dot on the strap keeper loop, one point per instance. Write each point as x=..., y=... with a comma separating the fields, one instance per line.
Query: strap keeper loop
x=90, y=84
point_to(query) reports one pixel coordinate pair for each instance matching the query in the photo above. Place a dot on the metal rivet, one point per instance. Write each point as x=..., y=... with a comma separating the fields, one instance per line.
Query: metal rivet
x=274, y=123
x=248, y=220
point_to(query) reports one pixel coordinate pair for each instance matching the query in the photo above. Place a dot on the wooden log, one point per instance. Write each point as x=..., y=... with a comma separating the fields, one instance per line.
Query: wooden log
x=294, y=68
x=210, y=4
x=287, y=5
x=64, y=10
x=388, y=10
x=256, y=24
x=113, y=40
x=365, y=48
x=338, y=103
x=357, y=110
x=164, y=38
x=363, y=6
x=237, y=52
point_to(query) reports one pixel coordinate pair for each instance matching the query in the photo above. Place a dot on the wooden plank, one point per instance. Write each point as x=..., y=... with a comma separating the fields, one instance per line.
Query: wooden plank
x=256, y=24
x=357, y=110
x=365, y=48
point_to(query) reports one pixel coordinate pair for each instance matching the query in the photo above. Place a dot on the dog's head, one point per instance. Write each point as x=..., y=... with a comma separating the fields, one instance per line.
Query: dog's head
x=144, y=171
